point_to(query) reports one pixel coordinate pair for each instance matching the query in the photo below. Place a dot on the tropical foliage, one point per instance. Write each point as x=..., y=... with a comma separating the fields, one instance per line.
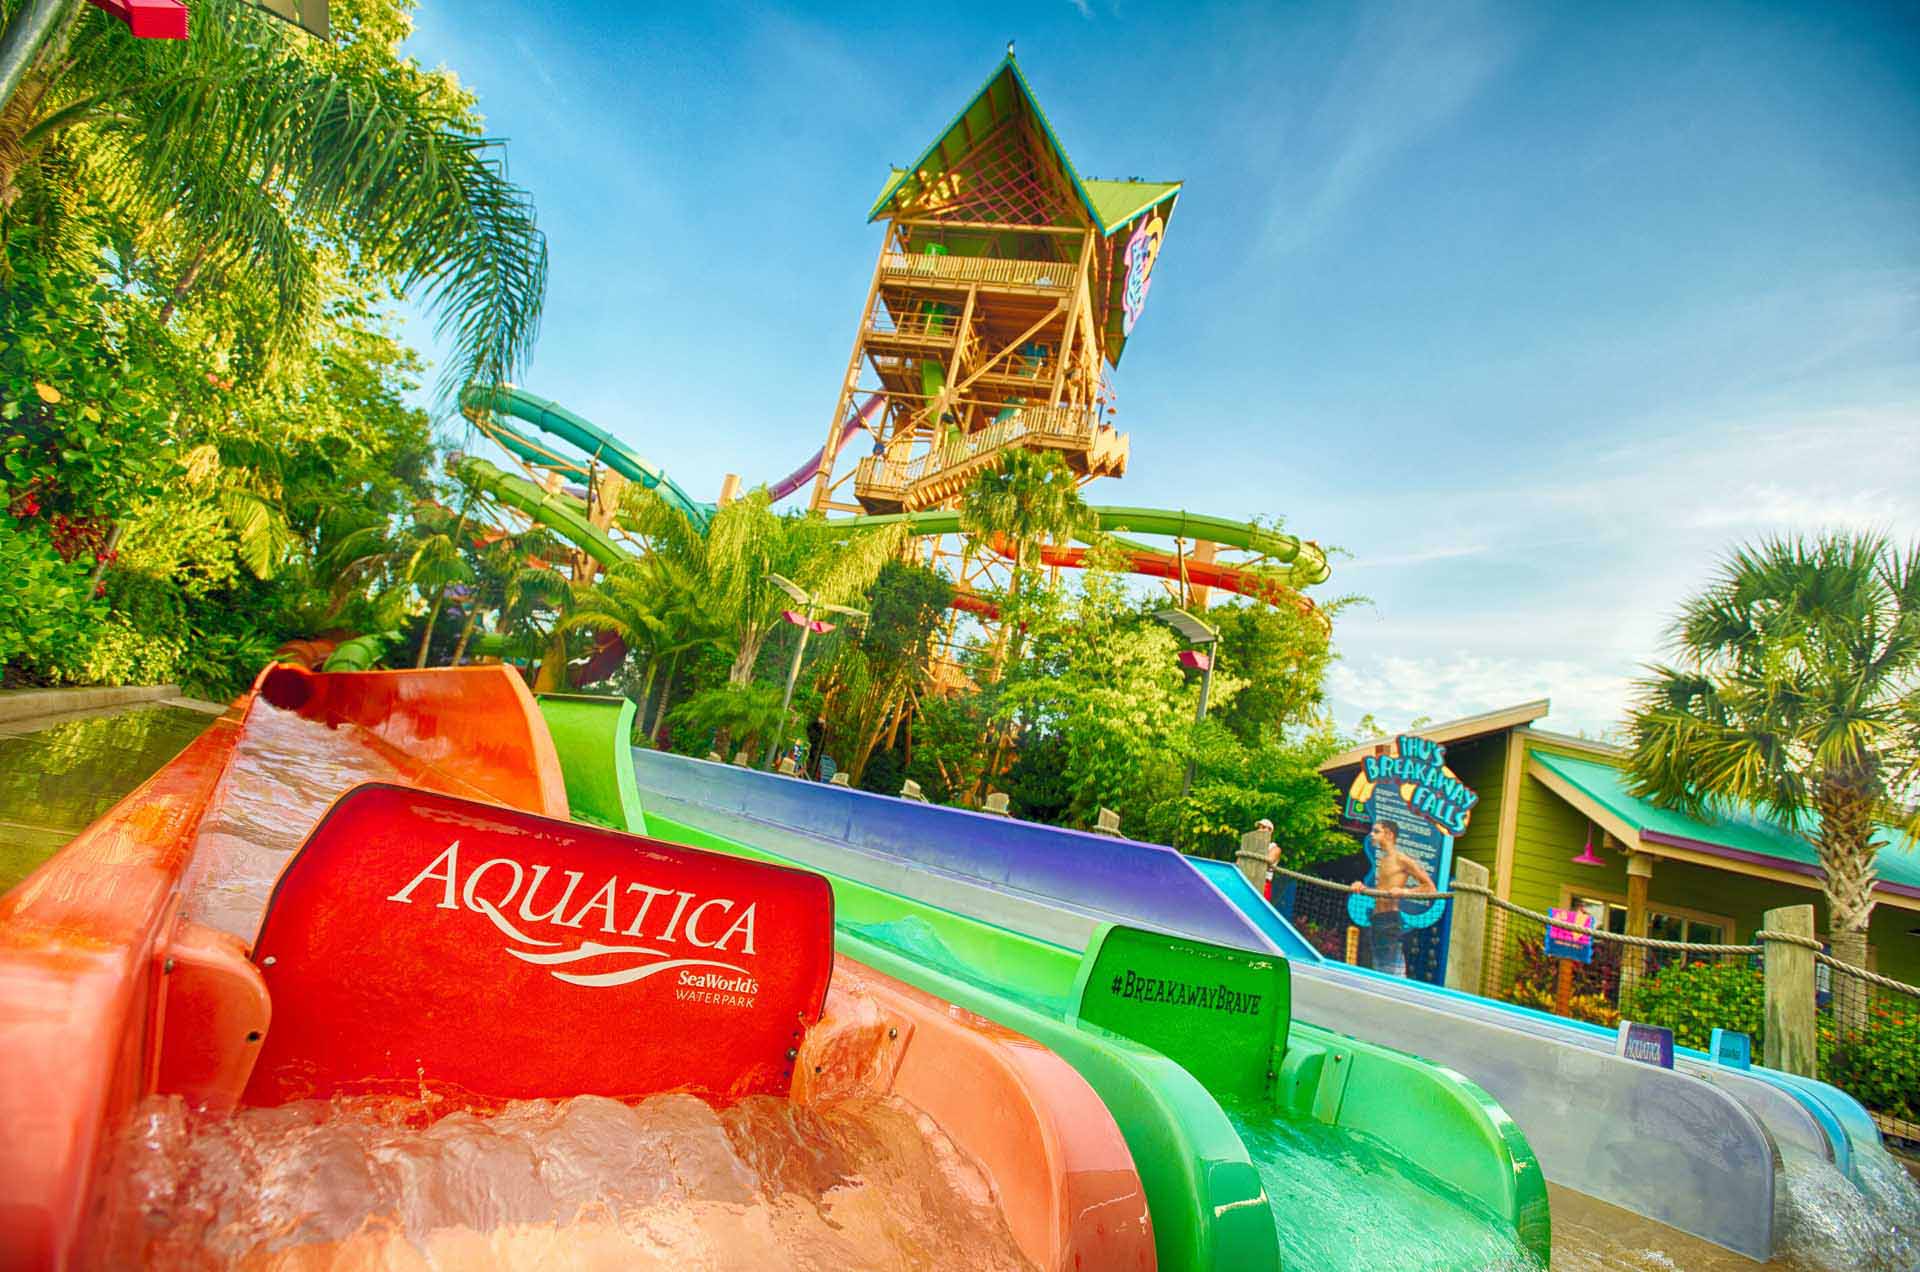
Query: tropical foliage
x=1797, y=691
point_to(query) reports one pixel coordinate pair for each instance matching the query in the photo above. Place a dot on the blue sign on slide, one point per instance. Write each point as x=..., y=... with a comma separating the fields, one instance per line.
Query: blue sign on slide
x=1649, y=1044
x=1732, y=1048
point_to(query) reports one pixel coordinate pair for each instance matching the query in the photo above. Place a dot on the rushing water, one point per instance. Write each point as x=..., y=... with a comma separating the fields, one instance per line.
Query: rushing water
x=1342, y=1199
x=584, y=1183
x=286, y=772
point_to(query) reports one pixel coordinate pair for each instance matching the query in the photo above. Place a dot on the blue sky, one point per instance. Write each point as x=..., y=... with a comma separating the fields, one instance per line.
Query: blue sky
x=1533, y=309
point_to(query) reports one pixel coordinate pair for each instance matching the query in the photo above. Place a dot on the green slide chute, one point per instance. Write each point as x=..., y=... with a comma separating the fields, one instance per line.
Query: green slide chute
x=581, y=434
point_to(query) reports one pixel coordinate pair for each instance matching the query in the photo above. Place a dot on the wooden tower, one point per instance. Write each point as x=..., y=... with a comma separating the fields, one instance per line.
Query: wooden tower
x=1007, y=284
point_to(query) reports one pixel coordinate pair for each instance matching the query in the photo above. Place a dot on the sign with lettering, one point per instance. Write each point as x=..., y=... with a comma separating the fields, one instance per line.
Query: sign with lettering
x=1418, y=769
x=423, y=942
x=1731, y=1048
x=1571, y=935
x=1221, y=1013
x=1649, y=1044
x=1411, y=803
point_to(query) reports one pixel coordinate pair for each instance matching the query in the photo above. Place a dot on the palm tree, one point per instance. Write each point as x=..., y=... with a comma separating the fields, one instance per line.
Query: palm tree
x=1030, y=497
x=653, y=606
x=250, y=147
x=745, y=544
x=1797, y=692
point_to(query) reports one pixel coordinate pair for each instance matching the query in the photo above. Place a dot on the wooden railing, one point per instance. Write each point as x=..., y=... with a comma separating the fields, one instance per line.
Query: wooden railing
x=1045, y=275
x=880, y=480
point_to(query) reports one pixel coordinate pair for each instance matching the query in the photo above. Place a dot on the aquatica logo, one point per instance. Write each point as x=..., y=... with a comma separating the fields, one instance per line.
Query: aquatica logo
x=641, y=919
x=1141, y=251
x=1427, y=786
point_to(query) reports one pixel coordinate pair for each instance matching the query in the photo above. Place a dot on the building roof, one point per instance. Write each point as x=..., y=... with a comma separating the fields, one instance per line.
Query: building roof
x=1732, y=834
x=1461, y=730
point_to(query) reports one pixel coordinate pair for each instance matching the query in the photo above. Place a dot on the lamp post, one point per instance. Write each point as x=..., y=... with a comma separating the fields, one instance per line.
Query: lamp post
x=808, y=625
x=1194, y=632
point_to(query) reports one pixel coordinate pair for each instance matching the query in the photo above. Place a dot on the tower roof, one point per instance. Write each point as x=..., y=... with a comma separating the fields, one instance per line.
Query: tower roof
x=966, y=173
x=1108, y=205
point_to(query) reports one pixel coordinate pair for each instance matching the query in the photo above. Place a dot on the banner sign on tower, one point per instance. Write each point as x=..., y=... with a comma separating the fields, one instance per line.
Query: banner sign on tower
x=1142, y=249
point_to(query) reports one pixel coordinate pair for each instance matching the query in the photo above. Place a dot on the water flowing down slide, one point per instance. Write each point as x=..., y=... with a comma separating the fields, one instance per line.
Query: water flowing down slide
x=1602, y=1126
x=1854, y=1204
x=1248, y=1126
x=353, y=920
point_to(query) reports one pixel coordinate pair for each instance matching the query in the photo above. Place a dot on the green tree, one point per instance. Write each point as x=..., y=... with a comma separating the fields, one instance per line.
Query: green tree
x=744, y=543
x=251, y=149
x=1030, y=497
x=873, y=679
x=1797, y=691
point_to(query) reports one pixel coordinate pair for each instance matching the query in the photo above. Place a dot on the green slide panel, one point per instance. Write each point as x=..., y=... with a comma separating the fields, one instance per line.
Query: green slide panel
x=605, y=794
x=1238, y=1118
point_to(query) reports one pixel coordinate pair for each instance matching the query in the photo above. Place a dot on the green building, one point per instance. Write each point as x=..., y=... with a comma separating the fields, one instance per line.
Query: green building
x=1544, y=797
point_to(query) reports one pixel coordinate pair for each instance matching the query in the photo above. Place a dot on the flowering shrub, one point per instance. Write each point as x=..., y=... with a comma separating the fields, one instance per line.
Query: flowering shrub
x=1879, y=1063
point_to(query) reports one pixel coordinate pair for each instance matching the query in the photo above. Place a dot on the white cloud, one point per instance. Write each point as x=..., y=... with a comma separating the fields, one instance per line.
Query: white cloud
x=1083, y=7
x=1398, y=688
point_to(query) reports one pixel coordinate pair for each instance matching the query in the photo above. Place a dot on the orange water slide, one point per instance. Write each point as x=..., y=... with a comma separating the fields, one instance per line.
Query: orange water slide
x=127, y=966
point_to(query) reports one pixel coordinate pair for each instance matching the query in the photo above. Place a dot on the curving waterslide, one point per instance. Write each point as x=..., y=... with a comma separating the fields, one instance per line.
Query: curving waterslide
x=425, y=1097
x=1286, y=562
x=1258, y=1139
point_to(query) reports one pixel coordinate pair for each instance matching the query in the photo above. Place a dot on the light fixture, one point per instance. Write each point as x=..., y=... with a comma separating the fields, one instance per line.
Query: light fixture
x=1587, y=856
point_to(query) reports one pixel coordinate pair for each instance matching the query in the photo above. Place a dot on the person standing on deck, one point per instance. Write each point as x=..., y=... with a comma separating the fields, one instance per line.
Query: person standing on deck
x=1392, y=871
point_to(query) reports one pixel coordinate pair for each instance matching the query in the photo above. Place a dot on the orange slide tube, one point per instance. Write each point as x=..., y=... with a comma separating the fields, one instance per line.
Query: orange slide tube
x=108, y=994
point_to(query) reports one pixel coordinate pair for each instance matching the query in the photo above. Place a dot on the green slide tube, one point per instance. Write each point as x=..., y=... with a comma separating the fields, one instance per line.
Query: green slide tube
x=559, y=513
x=1301, y=562
x=1317, y=1098
x=584, y=436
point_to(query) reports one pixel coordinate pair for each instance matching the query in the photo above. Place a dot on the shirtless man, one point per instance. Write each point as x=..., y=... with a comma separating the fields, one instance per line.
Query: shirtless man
x=1392, y=869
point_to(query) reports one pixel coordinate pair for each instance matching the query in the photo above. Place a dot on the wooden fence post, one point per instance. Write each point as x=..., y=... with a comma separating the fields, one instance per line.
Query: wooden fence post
x=1467, y=946
x=1789, y=994
x=1252, y=857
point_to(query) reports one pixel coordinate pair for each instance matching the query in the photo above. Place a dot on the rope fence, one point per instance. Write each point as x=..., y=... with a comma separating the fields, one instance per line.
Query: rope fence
x=1860, y=1031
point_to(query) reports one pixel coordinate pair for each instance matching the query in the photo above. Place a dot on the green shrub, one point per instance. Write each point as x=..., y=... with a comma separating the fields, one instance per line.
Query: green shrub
x=47, y=615
x=121, y=655
x=1878, y=1064
x=1693, y=999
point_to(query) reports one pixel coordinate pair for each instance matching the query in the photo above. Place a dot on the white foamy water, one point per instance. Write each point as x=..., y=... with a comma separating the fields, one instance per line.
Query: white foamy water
x=583, y=1183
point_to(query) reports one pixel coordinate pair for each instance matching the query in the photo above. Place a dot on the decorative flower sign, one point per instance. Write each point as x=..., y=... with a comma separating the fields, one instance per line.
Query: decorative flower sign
x=1141, y=251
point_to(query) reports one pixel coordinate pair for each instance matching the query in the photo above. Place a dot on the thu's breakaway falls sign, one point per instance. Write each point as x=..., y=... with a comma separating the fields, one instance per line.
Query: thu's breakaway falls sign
x=1411, y=789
